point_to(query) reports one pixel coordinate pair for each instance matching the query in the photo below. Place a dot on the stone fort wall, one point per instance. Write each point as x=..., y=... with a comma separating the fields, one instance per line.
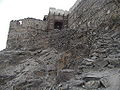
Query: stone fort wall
x=24, y=33
x=57, y=15
x=85, y=15
x=91, y=13
x=98, y=23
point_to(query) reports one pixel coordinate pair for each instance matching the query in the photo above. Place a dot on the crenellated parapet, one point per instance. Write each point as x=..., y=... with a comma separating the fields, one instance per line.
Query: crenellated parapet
x=54, y=11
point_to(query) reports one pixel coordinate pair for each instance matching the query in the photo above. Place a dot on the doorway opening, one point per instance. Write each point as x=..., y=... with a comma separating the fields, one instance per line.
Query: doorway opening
x=58, y=25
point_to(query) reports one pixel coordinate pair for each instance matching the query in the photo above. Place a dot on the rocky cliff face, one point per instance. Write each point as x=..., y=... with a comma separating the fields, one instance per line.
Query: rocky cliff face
x=84, y=58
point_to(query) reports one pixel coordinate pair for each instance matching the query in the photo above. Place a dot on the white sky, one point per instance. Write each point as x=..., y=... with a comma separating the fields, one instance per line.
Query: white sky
x=18, y=9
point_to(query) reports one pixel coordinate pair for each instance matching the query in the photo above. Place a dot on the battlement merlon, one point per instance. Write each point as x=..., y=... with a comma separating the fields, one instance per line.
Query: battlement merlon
x=58, y=11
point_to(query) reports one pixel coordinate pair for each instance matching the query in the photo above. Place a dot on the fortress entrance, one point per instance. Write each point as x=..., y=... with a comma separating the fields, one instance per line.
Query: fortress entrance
x=58, y=25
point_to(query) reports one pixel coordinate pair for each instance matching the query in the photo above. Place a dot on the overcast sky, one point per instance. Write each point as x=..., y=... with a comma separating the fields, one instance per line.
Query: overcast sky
x=18, y=9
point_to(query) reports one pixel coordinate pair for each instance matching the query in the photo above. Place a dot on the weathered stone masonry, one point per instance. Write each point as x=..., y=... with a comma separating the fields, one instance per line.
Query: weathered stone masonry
x=57, y=19
x=91, y=13
x=29, y=32
x=25, y=32
x=96, y=18
x=75, y=50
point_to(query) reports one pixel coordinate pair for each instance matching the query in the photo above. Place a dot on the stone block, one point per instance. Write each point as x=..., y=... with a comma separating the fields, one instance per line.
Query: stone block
x=105, y=82
x=65, y=75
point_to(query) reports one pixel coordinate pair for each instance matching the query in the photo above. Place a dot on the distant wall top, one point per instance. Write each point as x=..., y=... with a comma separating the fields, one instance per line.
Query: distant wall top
x=58, y=11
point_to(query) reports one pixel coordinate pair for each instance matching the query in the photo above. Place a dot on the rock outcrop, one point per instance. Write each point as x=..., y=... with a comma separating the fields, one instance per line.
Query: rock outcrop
x=85, y=56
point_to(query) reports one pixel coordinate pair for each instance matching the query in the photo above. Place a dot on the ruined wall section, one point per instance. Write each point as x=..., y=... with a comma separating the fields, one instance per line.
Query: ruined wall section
x=98, y=21
x=24, y=33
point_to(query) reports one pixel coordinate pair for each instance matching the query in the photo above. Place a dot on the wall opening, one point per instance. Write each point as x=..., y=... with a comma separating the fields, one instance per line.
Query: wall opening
x=58, y=25
x=44, y=19
x=20, y=22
